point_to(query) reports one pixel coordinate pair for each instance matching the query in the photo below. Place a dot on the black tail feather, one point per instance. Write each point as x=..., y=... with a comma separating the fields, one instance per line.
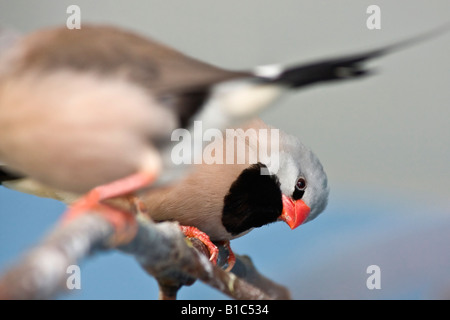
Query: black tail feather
x=345, y=67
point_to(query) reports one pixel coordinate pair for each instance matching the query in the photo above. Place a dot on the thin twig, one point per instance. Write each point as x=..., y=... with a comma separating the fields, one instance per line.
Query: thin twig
x=174, y=258
x=159, y=247
x=41, y=273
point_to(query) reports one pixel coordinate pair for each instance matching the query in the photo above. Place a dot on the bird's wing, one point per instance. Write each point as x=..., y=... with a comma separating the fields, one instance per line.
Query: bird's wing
x=179, y=81
x=110, y=50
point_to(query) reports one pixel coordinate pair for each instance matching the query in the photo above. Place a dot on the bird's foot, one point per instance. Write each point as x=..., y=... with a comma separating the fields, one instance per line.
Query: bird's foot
x=193, y=232
x=124, y=222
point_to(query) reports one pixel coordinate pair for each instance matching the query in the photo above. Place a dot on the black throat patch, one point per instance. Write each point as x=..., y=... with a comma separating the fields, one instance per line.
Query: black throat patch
x=253, y=200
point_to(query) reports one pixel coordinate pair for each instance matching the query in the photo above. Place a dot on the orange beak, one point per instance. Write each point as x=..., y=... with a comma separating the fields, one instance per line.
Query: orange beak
x=294, y=212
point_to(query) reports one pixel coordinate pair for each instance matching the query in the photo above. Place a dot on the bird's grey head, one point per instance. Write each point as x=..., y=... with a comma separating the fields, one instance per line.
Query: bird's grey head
x=301, y=175
x=294, y=191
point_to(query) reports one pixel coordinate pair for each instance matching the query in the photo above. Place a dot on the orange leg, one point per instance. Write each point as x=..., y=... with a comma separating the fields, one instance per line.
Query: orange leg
x=92, y=201
x=114, y=189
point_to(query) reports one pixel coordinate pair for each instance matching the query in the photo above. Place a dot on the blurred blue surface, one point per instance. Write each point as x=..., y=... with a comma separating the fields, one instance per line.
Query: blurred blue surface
x=324, y=259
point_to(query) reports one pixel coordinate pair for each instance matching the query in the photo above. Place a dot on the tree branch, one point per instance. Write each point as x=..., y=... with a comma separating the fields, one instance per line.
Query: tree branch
x=41, y=273
x=160, y=248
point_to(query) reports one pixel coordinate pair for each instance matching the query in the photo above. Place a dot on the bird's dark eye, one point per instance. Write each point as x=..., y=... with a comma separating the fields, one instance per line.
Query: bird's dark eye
x=301, y=184
x=300, y=187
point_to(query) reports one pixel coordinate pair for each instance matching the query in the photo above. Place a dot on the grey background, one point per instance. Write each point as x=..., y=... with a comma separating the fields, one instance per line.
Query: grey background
x=382, y=140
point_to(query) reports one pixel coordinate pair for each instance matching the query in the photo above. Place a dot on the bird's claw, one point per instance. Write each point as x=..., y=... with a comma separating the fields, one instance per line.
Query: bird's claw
x=193, y=232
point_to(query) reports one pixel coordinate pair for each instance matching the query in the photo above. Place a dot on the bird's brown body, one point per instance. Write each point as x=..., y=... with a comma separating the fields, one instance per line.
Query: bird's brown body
x=85, y=107
x=198, y=199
